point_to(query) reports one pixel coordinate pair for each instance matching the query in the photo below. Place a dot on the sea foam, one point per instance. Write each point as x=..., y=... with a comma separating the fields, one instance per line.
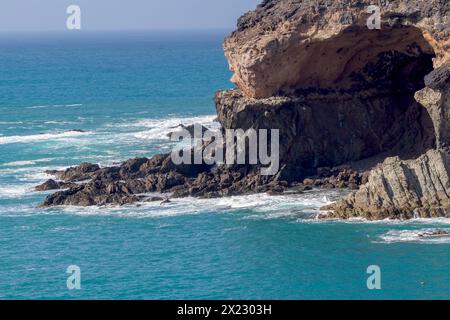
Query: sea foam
x=394, y=236
x=42, y=137
x=158, y=129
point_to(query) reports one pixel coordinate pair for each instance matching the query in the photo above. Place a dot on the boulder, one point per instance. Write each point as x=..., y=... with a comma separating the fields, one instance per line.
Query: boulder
x=48, y=185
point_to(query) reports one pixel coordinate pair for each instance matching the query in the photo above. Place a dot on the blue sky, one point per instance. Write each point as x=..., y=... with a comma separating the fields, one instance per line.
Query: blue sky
x=45, y=15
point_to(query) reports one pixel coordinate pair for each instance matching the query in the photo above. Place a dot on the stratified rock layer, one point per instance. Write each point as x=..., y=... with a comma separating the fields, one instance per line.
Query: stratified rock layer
x=287, y=44
x=330, y=129
x=398, y=189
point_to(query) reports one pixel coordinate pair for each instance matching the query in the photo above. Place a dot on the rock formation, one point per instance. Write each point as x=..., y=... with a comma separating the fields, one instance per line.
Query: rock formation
x=402, y=190
x=355, y=107
x=133, y=180
x=288, y=44
x=340, y=92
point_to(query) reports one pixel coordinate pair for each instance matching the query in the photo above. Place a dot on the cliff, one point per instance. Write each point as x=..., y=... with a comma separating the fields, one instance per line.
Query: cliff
x=287, y=44
x=356, y=107
x=341, y=93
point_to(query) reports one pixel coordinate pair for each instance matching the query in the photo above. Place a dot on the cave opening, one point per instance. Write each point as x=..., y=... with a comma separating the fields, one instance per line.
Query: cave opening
x=373, y=76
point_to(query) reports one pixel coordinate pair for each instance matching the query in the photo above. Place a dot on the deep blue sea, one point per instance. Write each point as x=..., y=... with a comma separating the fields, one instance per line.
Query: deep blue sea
x=125, y=90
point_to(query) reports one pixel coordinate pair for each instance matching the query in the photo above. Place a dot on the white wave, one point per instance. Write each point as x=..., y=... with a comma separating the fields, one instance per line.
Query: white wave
x=42, y=137
x=34, y=175
x=158, y=129
x=55, y=106
x=37, y=176
x=14, y=191
x=419, y=236
x=257, y=206
x=19, y=163
x=412, y=222
x=11, y=122
x=60, y=122
x=37, y=107
x=21, y=210
x=26, y=162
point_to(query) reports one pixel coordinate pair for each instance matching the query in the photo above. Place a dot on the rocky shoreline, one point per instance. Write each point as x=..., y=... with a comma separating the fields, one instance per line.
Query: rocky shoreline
x=136, y=179
x=356, y=108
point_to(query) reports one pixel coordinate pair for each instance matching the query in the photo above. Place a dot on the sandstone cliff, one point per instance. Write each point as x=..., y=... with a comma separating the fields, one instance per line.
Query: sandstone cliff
x=342, y=93
x=287, y=44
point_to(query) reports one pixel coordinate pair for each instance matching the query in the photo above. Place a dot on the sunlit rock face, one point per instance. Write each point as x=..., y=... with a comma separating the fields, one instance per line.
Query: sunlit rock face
x=341, y=93
x=290, y=44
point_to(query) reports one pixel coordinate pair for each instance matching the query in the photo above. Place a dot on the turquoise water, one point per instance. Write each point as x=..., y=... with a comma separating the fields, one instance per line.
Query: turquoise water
x=125, y=91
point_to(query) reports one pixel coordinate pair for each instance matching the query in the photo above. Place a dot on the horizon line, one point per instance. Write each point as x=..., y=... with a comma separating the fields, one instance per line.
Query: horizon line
x=226, y=29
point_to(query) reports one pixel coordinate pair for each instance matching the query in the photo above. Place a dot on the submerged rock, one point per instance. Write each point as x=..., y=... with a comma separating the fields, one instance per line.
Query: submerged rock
x=434, y=234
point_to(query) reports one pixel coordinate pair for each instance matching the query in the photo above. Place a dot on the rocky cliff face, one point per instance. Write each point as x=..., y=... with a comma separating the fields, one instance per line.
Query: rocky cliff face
x=342, y=93
x=398, y=189
x=356, y=108
x=287, y=44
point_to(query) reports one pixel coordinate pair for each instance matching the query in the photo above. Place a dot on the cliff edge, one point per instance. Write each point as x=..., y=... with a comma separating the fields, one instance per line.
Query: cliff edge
x=343, y=93
x=358, y=105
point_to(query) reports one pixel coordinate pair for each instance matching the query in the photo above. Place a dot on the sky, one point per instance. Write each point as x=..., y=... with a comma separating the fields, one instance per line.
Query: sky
x=96, y=15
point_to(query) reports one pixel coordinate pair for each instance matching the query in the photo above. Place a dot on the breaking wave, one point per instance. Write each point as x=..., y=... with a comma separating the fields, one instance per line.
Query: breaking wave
x=424, y=235
x=55, y=106
x=42, y=137
x=158, y=129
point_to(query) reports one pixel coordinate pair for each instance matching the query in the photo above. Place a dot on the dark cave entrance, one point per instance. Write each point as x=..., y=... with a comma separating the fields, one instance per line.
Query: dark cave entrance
x=363, y=85
x=399, y=75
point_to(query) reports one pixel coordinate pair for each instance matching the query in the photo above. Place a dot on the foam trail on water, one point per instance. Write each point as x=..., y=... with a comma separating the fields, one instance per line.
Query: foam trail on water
x=257, y=206
x=418, y=236
x=15, y=191
x=26, y=162
x=42, y=137
x=160, y=128
x=55, y=106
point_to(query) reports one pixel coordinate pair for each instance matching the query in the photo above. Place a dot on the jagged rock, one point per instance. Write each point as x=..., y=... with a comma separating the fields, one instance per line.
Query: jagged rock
x=154, y=199
x=401, y=189
x=80, y=173
x=330, y=129
x=54, y=185
x=340, y=93
x=436, y=99
x=48, y=185
x=439, y=78
x=434, y=234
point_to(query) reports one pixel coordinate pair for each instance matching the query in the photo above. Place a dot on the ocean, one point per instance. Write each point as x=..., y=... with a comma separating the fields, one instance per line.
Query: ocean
x=67, y=98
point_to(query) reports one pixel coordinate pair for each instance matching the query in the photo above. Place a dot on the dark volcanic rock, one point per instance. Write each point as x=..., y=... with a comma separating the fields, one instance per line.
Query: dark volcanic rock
x=129, y=182
x=319, y=130
x=54, y=185
x=438, y=78
x=48, y=185
x=80, y=173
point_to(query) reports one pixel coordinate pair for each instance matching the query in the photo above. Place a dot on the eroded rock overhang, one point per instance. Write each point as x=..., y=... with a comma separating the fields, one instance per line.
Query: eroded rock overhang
x=284, y=45
x=340, y=92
